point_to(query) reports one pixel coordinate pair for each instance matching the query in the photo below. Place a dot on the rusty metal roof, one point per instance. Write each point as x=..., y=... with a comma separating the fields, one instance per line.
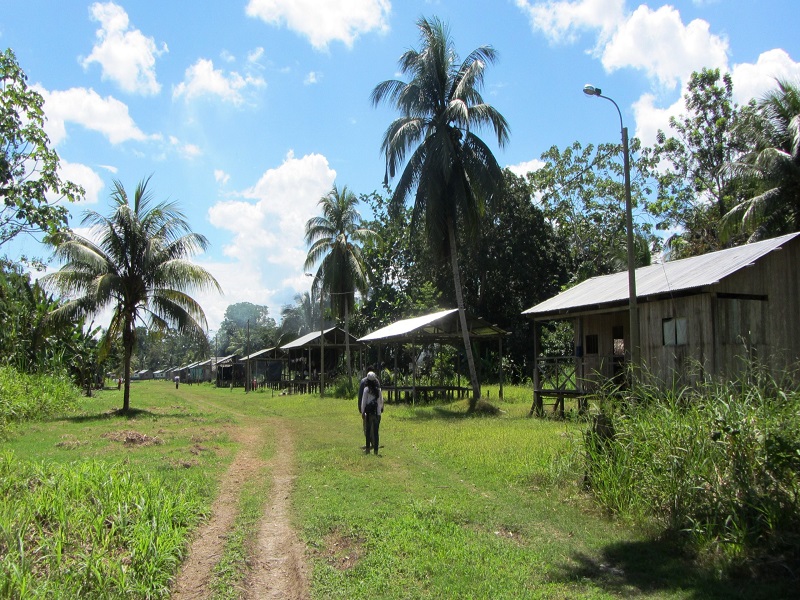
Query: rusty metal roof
x=438, y=326
x=669, y=277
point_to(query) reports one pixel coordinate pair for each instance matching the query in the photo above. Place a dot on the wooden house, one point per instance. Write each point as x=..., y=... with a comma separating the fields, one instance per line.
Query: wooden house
x=698, y=317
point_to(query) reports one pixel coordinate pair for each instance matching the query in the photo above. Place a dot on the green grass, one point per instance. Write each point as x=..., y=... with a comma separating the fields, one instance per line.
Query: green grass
x=455, y=506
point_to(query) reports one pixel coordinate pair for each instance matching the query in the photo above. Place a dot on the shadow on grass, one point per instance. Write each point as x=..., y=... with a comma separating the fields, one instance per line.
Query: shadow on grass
x=132, y=414
x=430, y=412
x=632, y=568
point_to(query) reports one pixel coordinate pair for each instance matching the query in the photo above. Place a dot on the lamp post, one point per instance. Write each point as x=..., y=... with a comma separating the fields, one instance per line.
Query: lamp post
x=633, y=308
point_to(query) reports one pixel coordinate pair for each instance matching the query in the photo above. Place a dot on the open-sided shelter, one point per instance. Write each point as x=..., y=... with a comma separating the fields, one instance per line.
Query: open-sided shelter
x=700, y=316
x=442, y=327
x=305, y=353
x=265, y=367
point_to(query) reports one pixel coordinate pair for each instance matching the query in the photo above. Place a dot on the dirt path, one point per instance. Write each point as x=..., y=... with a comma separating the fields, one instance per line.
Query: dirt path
x=278, y=568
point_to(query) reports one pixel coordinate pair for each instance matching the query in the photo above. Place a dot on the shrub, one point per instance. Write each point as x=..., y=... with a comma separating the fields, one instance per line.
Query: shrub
x=25, y=397
x=720, y=464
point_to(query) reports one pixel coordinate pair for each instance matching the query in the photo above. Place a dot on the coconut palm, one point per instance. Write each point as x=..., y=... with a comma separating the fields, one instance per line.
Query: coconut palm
x=135, y=262
x=301, y=317
x=450, y=170
x=333, y=238
x=773, y=166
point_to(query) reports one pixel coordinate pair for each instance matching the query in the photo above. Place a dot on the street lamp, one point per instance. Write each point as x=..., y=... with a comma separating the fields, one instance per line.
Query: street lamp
x=590, y=90
x=321, y=340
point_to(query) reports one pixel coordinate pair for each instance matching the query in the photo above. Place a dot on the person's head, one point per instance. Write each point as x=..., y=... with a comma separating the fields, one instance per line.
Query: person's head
x=372, y=379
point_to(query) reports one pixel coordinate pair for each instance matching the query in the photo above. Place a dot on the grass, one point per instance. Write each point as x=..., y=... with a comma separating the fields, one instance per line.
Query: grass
x=454, y=507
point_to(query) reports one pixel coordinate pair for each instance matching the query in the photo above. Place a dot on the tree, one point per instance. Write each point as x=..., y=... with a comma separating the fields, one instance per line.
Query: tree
x=333, y=238
x=580, y=191
x=451, y=171
x=698, y=189
x=136, y=263
x=517, y=261
x=245, y=328
x=30, y=188
x=773, y=165
x=302, y=317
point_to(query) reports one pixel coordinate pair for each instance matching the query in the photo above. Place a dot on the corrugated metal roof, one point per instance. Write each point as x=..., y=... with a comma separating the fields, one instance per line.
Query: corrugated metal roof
x=669, y=277
x=439, y=324
x=302, y=341
x=258, y=353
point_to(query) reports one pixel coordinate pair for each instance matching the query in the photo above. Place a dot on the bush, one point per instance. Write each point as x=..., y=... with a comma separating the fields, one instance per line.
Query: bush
x=25, y=397
x=720, y=465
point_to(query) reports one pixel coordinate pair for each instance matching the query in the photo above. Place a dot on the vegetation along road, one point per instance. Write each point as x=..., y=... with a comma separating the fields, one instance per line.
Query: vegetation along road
x=214, y=493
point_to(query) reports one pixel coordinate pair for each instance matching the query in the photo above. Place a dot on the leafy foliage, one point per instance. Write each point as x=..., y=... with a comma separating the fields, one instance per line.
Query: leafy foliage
x=34, y=343
x=245, y=326
x=28, y=397
x=581, y=192
x=138, y=266
x=698, y=188
x=720, y=463
x=772, y=166
x=450, y=171
x=30, y=187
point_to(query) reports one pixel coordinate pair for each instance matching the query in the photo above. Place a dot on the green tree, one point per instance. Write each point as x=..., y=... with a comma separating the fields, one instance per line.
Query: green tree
x=517, y=261
x=138, y=266
x=580, y=191
x=300, y=318
x=451, y=172
x=773, y=165
x=697, y=188
x=246, y=327
x=334, y=239
x=30, y=188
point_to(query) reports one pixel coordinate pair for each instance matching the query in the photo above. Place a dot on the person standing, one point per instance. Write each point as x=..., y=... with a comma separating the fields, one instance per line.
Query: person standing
x=177, y=380
x=371, y=410
x=361, y=385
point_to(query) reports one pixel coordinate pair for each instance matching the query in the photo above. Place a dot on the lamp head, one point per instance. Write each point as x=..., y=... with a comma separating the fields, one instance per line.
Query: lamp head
x=590, y=90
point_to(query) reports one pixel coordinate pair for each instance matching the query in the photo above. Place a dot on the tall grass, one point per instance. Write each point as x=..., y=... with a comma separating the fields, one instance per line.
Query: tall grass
x=89, y=529
x=25, y=397
x=719, y=465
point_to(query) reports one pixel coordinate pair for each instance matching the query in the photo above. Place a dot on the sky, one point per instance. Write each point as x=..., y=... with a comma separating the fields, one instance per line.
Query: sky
x=247, y=112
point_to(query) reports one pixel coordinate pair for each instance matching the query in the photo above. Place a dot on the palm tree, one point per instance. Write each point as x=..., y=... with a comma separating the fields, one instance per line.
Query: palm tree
x=452, y=170
x=773, y=165
x=302, y=317
x=334, y=237
x=138, y=266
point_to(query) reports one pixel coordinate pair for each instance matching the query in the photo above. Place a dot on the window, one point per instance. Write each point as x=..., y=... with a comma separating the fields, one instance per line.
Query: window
x=619, y=340
x=674, y=331
x=592, y=344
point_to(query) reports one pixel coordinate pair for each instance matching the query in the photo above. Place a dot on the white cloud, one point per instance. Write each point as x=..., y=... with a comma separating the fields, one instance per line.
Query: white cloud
x=324, y=22
x=754, y=80
x=658, y=43
x=221, y=176
x=125, y=55
x=185, y=150
x=83, y=176
x=268, y=228
x=255, y=55
x=272, y=229
x=86, y=107
x=561, y=21
x=201, y=79
x=650, y=118
x=523, y=168
x=311, y=78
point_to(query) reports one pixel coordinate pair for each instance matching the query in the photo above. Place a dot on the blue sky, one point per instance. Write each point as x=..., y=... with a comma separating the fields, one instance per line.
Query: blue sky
x=247, y=112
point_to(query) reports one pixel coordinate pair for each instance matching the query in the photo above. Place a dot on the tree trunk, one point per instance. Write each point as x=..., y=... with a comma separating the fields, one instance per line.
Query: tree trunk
x=347, y=341
x=127, y=344
x=473, y=375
